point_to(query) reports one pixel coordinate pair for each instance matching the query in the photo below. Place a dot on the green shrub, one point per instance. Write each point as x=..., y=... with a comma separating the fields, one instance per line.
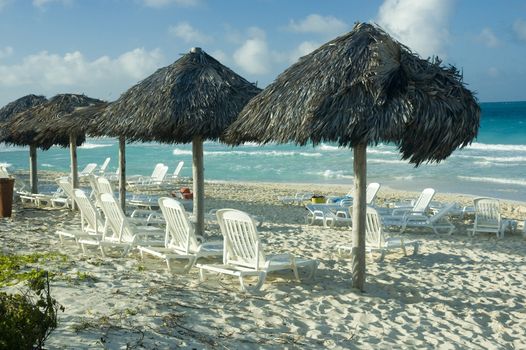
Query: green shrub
x=26, y=320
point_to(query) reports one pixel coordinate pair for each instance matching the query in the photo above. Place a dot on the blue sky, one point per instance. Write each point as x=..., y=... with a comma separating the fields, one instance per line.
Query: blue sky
x=103, y=47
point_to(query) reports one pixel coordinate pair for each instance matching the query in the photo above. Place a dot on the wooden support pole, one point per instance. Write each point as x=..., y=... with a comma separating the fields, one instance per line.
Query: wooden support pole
x=74, y=167
x=198, y=184
x=73, y=156
x=33, y=180
x=358, y=217
x=122, y=172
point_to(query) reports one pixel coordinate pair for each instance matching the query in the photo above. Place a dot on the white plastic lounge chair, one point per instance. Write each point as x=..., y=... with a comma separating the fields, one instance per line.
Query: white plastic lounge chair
x=63, y=201
x=57, y=199
x=104, y=166
x=243, y=253
x=176, y=174
x=119, y=232
x=487, y=217
x=378, y=240
x=298, y=199
x=88, y=169
x=181, y=241
x=329, y=215
x=397, y=216
x=370, y=195
x=332, y=216
x=3, y=172
x=438, y=222
x=91, y=222
x=158, y=174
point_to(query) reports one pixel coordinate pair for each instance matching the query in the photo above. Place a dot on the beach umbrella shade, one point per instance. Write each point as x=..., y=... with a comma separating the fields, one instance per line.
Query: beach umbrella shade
x=192, y=100
x=43, y=123
x=6, y=114
x=361, y=89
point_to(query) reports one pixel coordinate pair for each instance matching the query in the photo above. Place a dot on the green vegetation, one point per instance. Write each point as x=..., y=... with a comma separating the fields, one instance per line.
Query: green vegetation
x=27, y=319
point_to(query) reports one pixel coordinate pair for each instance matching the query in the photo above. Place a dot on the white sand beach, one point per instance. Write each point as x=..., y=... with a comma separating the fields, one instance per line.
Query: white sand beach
x=459, y=292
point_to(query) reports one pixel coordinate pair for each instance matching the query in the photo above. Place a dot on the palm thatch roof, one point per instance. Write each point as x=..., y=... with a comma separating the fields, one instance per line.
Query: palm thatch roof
x=13, y=108
x=364, y=88
x=194, y=96
x=42, y=124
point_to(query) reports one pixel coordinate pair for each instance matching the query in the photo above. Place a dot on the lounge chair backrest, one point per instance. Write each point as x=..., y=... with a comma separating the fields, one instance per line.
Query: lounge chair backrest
x=178, y=169
x=371, y=191
x=89, y=215
x=180, y=233
x=94, y=186
x=116, y=221
x=487, y=212
x=374, y=235
x=65, y=184
x=3, y=172
x=242, y=246
x=441, y=213
x=88, y=169
x=424, y=200
x=104, y=165
x=104, y=185
x=158, y=168
x=161, y=174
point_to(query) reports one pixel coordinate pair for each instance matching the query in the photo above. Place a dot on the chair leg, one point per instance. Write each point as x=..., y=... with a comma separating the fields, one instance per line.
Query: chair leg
x=404, y=250
x=261, y=279
x=416, y=245
x=202, y=276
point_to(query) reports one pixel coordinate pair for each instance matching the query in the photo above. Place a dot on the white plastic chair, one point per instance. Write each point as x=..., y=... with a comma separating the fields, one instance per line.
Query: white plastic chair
x=88, y=169
x=243, y=253
x=397, y=217
x=91, y=222
x=298, y=199
x=104, y=166
x=119, y=232
x=438, y=222
x=181, y=241
x=378, y=240
x=158, y=174
x=487, y=217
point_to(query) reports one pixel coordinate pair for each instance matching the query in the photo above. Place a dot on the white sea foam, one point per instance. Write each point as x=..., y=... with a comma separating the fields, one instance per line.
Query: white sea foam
x=520, y=182
x=377, y=151
x=11, y=148
x=488, y=164
x=331, y=174
x=250, y=153
x=404, y=178
x=5, y=164
x=325, y=147
x=495, y=159
x=496, y=147
x=95, y=145
x=386, y=161
x=46, y=165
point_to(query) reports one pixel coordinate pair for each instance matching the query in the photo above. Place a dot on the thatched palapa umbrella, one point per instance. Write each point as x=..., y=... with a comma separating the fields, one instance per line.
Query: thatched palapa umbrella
x=45, y=122
x=193, y=99
x=6, y=114
x=361, y=89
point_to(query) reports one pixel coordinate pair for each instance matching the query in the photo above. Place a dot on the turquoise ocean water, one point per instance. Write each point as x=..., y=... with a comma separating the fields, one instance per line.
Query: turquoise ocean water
x=494, y=165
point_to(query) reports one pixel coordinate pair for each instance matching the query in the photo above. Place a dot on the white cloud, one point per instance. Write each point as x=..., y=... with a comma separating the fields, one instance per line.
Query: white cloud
x=6, y=51
x=3, y=3
x=319, y=24
x=220, y=55
x=493, y=72
x=254, y=56
x=43, y=3
x=520, y=29
x=420, y=25
x=302, y=49
x=45, y=72
x=189, y=34
x=488, y=38
x=164, y=3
